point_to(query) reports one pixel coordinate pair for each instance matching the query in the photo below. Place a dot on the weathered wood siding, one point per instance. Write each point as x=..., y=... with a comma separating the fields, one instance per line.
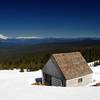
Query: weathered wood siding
x=56, y=75
x=56, y=82
x=52, y=69
x=74, y=82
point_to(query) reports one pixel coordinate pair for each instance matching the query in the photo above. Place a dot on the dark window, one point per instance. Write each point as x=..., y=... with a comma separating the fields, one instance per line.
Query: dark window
x=80, y=80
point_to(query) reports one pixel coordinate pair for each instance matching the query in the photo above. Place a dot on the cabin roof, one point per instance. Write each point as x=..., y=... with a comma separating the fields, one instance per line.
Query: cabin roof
x=72, y=65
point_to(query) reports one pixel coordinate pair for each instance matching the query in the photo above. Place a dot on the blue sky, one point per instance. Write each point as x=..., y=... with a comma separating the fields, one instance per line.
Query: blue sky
x=50, y=18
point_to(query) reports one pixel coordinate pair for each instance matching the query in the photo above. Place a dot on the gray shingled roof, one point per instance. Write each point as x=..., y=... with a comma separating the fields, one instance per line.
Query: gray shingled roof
x=72, y=65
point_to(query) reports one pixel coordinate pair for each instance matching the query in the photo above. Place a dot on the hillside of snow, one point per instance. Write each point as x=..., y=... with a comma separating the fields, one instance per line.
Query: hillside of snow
x=15, y=85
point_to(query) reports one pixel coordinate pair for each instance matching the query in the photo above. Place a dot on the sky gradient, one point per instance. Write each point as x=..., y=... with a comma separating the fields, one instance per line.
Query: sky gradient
x=50, y=18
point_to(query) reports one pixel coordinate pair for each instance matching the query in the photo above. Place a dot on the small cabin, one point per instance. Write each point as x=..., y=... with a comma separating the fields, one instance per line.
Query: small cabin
x=67, y=69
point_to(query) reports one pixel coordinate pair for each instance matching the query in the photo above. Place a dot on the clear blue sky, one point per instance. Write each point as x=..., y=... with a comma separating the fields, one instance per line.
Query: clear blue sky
x=50, y=18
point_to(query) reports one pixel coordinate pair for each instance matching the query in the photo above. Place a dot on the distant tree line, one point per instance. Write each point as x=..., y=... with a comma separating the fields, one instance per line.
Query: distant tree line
x=35, y=61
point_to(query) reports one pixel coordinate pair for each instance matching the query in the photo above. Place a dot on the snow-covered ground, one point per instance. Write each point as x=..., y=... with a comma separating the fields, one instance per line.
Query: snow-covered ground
x=15, y=85
x=96, y=74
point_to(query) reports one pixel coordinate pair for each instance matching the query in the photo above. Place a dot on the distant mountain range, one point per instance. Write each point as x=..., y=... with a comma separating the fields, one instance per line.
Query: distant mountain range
x=38, y=41
x=17, y=41
x=3, y=37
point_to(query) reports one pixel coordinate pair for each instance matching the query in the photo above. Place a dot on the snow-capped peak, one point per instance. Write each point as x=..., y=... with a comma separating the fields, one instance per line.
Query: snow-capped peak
x=3, y=37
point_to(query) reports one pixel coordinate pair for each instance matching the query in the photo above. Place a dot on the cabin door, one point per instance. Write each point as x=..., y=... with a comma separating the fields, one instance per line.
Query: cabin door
x=47, y=79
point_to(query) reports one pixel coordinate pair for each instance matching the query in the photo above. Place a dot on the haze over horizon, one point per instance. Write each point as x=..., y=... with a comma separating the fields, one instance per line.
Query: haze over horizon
x=50, y=18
